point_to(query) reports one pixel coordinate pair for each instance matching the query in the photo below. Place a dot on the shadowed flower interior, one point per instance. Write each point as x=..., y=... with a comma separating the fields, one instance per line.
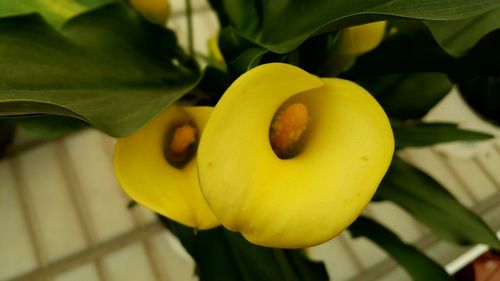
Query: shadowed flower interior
x=156, y=166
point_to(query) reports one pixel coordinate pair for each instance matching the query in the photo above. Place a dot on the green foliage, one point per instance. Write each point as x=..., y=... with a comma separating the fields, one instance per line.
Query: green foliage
x=430, y=203
x=418, y=265
x=297, y=20
x=224, y=255
x=408, y=95
x=458, y=36
x=7, y=133
x=50, y=127
x=55, y=12
x=483, y=95
x=422, y=134
x=108, y=67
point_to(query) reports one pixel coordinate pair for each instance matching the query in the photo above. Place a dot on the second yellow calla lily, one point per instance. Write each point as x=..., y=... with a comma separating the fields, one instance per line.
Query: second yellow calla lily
x=155, y=11
x=312, y=192
x=170, y=188
x=360, y=39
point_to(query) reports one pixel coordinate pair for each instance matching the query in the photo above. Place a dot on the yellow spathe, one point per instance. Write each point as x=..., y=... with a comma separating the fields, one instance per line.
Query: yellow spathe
x=360, y=39
x=147, y=177
x=155, y=11
x=312, y=197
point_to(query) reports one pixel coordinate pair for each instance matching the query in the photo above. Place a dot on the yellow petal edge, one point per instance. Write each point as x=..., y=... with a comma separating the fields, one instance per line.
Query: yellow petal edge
x=312, y=197
x=145, y=175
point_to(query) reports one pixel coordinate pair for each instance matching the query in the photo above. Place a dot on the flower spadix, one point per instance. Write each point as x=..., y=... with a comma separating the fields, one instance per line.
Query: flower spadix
x=289, y=159
x=156, y=166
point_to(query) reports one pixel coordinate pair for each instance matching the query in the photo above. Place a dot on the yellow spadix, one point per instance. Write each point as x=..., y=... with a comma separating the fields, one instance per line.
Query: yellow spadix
x=157, y=166
x=318, y=190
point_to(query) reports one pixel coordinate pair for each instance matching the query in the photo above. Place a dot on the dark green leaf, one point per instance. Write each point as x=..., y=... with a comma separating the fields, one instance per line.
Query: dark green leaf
x=417, y=264
x=239, y=53
x=410, y=47
x=107, y=67
x=282, y=25
x=458, y=36
x=422, y=134
x=55, y=12
x=50, y=127
x=408, y=96
x=483, y=95
x=224, y=255
x=7, y=133
x=430, y=203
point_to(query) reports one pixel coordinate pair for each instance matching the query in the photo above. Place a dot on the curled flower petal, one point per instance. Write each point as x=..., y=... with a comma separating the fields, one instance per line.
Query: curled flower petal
x=150, y=179
x=311, y=197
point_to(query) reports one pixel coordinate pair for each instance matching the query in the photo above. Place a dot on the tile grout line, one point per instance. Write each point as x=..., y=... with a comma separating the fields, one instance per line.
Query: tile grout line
x=444, y=159
x=351, y=253
x=485, y=171
x=28, y=215
x=151, y=253
x=94, y=252
x=73, y=187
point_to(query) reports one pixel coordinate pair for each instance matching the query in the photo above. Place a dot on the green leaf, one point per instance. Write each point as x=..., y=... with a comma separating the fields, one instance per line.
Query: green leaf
x=239, y=53
x=282, y=25
x=7, y=134
x=422, y=134
x=107, y=67
x=409, y=47
x=482, y=93
x=408, y=95
x=55, y=12
x=430, y=203
x=458, y=36
x=417, y=264
x=50, y=127
x=224, y=255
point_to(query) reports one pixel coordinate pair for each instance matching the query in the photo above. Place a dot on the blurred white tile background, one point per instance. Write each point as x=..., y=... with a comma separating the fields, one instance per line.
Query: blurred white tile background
x=64, y=217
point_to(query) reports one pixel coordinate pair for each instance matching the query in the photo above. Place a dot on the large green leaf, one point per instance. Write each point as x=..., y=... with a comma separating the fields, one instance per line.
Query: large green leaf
x=422, y=134
x=408, y=95
x=458, y=36
x=50, y=127
x=224, y=255
x=55, y=12
x=282, y=25
x=417, y=264
x=107, y=67
x=430, y=203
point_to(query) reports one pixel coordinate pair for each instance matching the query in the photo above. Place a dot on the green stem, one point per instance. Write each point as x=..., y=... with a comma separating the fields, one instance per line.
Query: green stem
x=189, y=16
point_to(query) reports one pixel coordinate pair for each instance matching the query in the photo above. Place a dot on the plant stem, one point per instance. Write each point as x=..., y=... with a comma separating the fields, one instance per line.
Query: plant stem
x=189, y=16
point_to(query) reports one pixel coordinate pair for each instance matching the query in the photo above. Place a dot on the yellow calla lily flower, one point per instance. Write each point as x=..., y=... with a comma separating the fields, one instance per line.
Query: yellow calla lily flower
x=156, y=166
x=155, y=11
x=289, y=159
x=360, y=39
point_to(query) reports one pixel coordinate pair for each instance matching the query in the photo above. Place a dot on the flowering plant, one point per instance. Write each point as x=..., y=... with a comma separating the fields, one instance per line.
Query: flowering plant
x=280, y=137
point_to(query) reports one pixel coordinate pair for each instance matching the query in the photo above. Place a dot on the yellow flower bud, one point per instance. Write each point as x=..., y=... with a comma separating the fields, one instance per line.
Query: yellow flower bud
x=157, y=166
x=342, y=145
x=155, y=11
x=360, y=39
